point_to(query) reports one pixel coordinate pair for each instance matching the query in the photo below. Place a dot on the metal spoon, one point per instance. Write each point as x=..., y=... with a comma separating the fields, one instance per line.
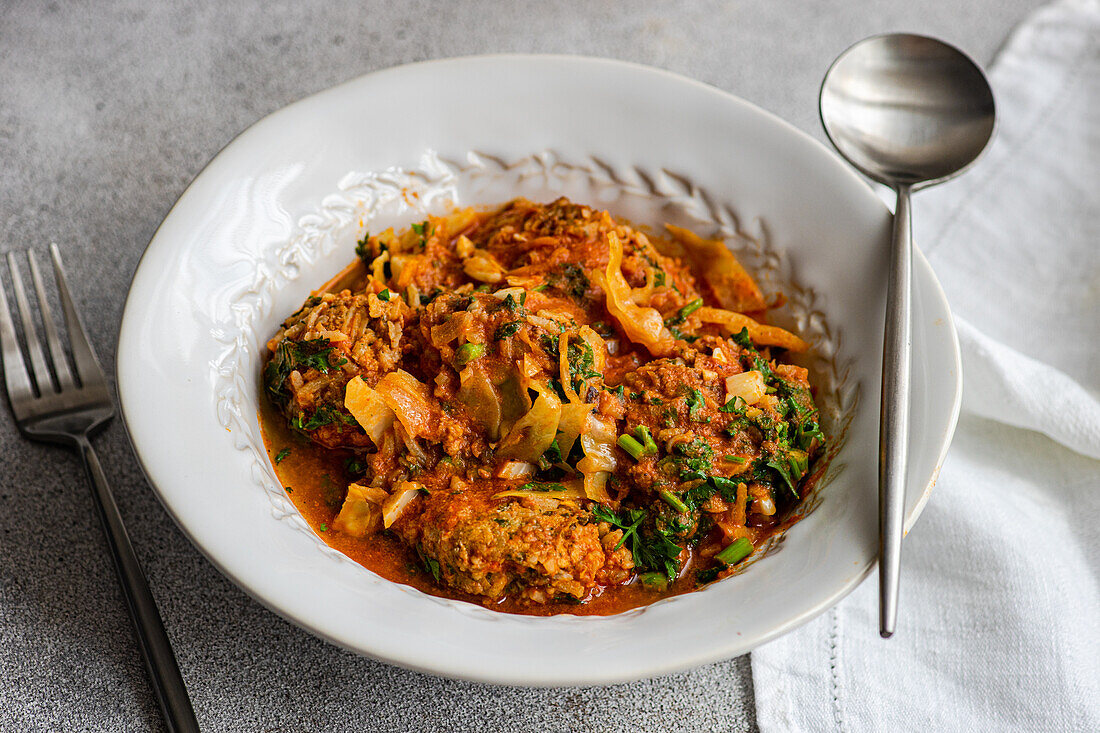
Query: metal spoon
x=909, y=112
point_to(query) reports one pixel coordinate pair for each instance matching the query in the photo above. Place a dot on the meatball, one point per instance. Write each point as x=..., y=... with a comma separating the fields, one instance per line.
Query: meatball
x=329, y=341
x=536, y=548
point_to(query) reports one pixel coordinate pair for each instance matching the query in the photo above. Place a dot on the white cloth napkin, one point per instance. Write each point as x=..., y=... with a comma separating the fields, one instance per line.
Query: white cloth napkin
x=1000, y=602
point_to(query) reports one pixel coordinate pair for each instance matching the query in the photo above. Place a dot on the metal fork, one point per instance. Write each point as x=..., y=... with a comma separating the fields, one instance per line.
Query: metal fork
x=58, y=408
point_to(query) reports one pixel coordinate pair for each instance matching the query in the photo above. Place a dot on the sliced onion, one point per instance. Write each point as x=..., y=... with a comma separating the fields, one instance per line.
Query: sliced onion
x=516, y=293
x=563, y=369
x=449, y=330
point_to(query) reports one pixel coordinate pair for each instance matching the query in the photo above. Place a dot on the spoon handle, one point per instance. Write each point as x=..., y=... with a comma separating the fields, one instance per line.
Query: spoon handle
x=893, y=441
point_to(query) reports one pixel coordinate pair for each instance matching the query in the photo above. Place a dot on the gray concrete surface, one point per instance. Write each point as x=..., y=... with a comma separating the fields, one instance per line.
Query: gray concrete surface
x=107, y=110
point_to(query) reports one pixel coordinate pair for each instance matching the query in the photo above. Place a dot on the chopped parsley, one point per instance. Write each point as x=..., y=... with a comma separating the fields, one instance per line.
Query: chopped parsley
x=512, y=305
x=298, y=356
x=431, y=565
x=653, y=550
x=507, y=329
x=569, y=279
x=696, y=404
x=362, y=249
x=323, y=415
x=423, y=232
x=532, y=486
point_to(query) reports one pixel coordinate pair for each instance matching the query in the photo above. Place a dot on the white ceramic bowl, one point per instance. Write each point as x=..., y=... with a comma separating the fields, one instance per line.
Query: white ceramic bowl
x=279, y=210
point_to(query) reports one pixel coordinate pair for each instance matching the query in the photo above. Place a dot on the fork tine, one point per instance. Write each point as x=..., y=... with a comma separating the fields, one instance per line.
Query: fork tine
x=15, y=372
x=87, y=366
x=53, y=342
x=40, y=372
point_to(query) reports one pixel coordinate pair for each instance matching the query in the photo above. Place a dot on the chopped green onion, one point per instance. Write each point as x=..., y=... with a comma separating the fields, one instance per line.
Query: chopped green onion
x=385, y=294
x=647, y=440
x=653, y=581
x=673, y=501
x=735, y=459
x=324, y=527
x=631, y=446
x=469, y=352
x=542, y=287
x=281, y=455
x=691, y=307
x=736, y=552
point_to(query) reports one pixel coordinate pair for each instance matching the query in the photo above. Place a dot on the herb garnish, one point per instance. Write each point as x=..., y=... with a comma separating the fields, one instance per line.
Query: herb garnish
x=695, y=403
x=430, y=563
x=532, y=486
x=507, y=329
x=362, y=249
x=652, y=550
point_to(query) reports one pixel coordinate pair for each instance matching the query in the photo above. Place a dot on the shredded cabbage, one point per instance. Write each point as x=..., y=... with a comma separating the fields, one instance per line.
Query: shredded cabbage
x=395, y=505
x=411, y=402
x=450, y=329
x=712, y=260
x=480, y=398
x=514, y=402
x=361, y=513
x=534, y=432
x=599, y=348
x=758, y=332
x=563, y=369
x=642, y=325
x=568, y=490
x=369, y=409
x=516, y=470
x=574, y=416
x=598, y=442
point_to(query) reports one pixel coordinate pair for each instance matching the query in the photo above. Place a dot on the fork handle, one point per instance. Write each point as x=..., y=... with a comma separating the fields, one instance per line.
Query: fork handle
x=155, y=647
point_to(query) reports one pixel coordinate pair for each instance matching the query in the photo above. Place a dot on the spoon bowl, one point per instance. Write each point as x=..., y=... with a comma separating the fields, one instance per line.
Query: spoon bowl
x=907, y=109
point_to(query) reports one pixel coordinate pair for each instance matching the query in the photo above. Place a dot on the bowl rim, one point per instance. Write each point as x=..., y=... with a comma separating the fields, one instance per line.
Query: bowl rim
x=459, y=671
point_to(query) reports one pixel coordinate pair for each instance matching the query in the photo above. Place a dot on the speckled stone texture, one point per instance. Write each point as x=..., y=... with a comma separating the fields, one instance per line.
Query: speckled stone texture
x=107, y=110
